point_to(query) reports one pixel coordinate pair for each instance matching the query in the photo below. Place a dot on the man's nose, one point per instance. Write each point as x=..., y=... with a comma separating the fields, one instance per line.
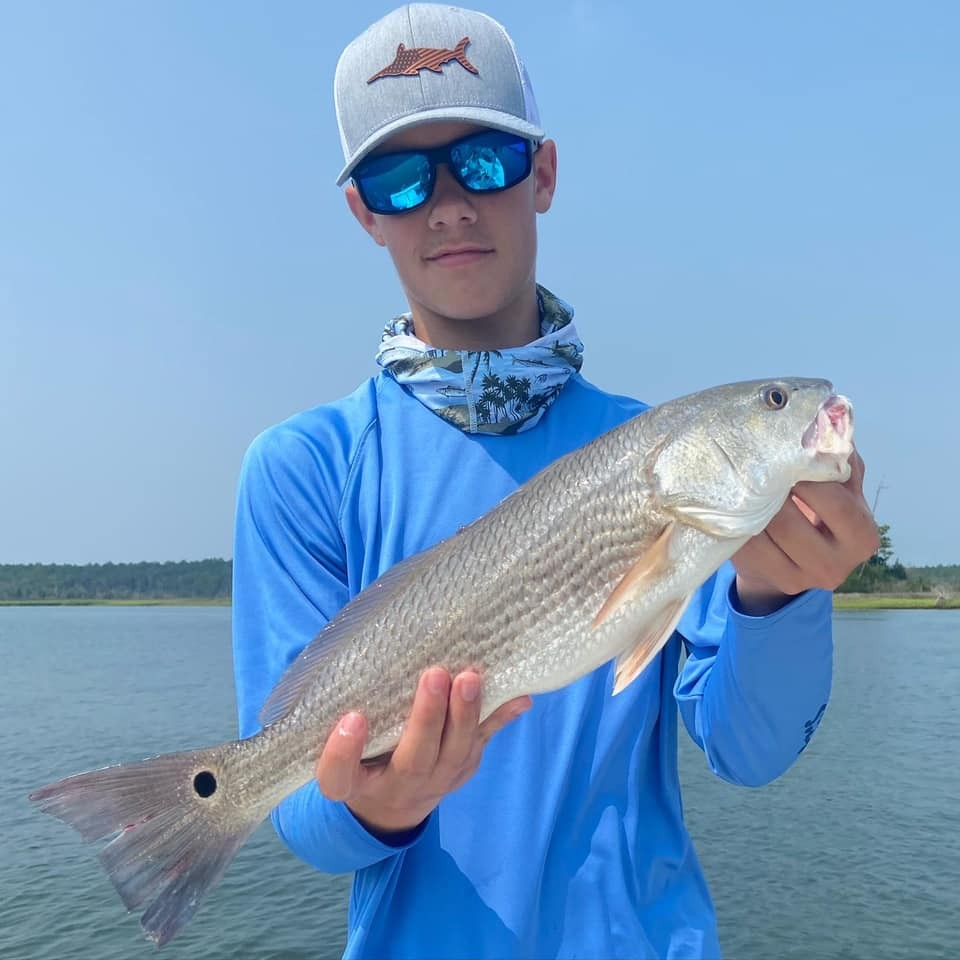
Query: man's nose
x=450, y=202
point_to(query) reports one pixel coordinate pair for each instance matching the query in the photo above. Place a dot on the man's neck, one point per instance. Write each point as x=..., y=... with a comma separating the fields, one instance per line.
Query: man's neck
x=515, y=325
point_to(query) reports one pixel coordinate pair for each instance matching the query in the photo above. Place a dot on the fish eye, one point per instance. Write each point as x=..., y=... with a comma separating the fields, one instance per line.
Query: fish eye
x=776, y=398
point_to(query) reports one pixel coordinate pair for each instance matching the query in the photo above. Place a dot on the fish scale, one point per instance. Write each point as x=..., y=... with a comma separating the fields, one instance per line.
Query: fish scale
x=592, y=559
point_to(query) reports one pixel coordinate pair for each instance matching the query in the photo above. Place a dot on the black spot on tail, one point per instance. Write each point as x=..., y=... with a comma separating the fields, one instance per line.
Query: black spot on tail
x=205, y=783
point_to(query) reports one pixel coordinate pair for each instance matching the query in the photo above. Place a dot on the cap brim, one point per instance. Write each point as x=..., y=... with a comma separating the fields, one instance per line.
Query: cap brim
x=484, y=116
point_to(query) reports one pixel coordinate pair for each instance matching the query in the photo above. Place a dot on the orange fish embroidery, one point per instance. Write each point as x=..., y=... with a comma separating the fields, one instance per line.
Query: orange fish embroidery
x=409, y=63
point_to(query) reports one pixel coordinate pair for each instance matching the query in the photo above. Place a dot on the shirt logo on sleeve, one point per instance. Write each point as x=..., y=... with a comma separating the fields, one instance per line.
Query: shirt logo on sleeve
x=809, y=728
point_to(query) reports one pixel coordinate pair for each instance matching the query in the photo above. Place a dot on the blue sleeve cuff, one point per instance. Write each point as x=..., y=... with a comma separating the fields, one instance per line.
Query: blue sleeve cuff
x=748, y=621
x=326, y=834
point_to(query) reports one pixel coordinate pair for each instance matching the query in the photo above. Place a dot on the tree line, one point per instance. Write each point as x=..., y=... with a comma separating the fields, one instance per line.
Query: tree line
x=211, y=579
x=186, y=579
x=882, y=574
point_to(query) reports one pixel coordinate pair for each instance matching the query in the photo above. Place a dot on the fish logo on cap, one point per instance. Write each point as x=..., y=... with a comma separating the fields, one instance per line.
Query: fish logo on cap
x=409, y=63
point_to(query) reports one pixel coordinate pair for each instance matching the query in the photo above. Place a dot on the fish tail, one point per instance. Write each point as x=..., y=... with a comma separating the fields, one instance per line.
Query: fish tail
x=460, y=52
x=174, y=827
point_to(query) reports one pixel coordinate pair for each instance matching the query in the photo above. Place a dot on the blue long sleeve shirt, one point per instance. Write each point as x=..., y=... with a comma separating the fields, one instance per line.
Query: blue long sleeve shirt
x=569, y=841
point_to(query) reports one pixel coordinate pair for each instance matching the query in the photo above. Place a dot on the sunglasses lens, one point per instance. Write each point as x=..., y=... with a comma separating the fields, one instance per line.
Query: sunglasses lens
x=485, y=162
x=395, y=183
x=491, y=161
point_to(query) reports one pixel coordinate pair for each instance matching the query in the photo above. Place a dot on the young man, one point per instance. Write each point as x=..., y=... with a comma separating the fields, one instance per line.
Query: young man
x=559, y=834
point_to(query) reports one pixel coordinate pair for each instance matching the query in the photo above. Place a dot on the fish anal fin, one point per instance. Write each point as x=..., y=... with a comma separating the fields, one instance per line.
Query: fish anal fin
x=631, y=663
x=651, y=564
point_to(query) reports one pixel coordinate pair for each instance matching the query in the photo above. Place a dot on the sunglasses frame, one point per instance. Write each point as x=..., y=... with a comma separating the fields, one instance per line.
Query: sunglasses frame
x=443, y=154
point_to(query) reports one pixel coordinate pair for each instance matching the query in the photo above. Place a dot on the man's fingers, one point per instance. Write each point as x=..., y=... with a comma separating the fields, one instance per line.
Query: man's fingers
x=823, y=554
x=339, y=762
x=419, y=745
x=816, y=559
x=761, y=559
x=460, y=731
x=503, y=715
x=844, y=512
x=792, y=532
x=442, y=728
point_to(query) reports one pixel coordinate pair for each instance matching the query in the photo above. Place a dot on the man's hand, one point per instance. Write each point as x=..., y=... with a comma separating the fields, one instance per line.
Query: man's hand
x=822, y=533
x=439, y=750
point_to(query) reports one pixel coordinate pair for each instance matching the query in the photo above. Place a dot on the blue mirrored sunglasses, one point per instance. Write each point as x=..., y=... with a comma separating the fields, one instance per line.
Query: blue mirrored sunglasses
x=483, y=162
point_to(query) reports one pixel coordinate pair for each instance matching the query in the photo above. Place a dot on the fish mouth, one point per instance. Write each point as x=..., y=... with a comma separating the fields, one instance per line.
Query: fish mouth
x=831, y=432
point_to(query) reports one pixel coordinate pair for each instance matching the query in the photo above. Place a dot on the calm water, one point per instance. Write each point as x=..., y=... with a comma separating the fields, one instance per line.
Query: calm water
x=855, y=853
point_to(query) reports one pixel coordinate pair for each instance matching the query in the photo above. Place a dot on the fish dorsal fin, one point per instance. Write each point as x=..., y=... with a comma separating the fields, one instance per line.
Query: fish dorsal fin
x=651, y=564
x=631, y=663
x=339, y=632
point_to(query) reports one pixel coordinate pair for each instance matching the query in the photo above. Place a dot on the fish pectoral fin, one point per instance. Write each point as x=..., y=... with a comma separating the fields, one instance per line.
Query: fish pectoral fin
x=631, y=663
x=651, y=564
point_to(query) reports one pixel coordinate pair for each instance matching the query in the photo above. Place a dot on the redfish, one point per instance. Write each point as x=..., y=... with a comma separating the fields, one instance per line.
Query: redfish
x=594, y=558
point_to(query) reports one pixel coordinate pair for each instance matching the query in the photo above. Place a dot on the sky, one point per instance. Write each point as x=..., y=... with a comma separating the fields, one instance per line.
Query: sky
x=746, y=190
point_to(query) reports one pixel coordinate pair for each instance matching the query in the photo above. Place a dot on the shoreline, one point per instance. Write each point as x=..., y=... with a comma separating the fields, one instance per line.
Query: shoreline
x=841, y=601
x=904, y=601
x=138, y=602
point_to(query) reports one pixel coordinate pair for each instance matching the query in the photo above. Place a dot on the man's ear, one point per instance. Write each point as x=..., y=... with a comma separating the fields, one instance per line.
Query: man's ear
x=365, y=218
x=545, y=174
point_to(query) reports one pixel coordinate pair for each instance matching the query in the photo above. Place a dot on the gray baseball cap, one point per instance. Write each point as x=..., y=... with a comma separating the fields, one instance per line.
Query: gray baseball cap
x=428, y=62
